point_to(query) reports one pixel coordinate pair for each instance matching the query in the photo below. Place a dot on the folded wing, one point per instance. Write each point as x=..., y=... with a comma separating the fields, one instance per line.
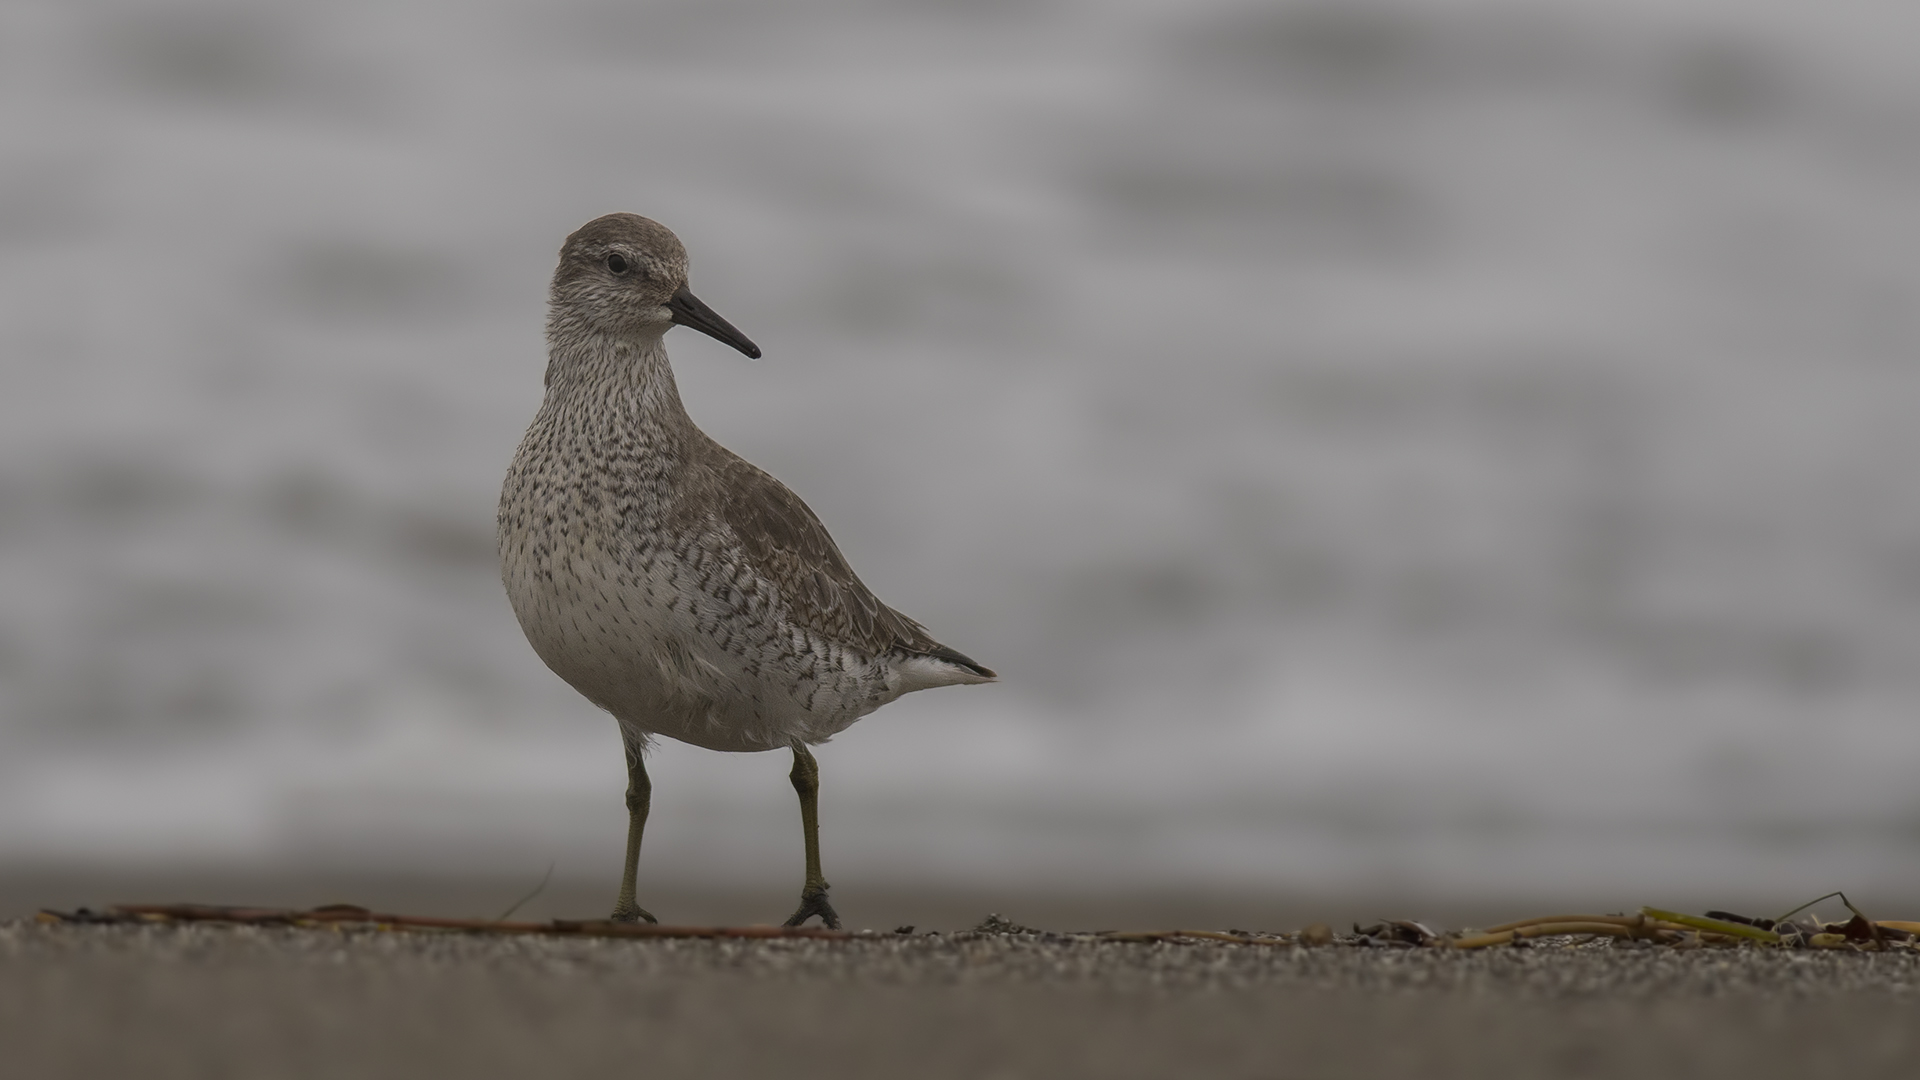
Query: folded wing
x=786, y=544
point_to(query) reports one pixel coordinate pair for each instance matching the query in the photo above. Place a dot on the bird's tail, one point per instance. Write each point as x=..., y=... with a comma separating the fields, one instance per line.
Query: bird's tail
x=939, y=666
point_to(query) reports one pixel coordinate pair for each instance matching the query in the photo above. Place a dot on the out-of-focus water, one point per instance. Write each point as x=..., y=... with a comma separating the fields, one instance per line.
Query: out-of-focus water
x=1435, y=446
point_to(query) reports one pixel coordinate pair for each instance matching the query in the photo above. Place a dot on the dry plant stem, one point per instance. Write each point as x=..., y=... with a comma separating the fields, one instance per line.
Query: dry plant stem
x=1810, y=903
x=1209, y=935
x=1558, y=929
x=537, y=890
x=1714, y=926
x=344, y=916
x=1617, y=920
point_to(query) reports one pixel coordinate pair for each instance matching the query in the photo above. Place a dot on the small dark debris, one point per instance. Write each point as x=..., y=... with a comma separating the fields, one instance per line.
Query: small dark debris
x=1399, y=932
x=1745, y=920
x=994, y=923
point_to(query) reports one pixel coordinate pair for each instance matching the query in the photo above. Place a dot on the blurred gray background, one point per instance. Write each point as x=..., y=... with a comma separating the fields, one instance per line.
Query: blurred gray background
x=1403, y=449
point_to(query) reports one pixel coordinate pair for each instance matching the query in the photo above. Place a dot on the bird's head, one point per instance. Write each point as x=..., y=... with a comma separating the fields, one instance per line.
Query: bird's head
x=626, y=276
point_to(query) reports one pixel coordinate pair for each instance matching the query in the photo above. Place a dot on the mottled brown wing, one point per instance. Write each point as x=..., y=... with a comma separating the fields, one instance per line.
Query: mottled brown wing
x=786, y=543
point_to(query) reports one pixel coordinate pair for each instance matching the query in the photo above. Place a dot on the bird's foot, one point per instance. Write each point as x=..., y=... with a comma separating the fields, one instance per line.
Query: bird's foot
x=632, y=913
x=814, y=902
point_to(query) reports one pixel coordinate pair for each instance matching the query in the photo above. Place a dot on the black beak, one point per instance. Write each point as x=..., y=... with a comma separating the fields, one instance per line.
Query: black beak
x=689, y=311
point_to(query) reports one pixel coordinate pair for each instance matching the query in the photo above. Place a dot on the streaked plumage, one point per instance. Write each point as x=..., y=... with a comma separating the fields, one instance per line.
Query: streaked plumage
x=672, y=583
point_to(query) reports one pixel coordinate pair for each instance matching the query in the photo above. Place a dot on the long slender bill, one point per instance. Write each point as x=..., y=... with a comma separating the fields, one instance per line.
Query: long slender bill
x=689, y=311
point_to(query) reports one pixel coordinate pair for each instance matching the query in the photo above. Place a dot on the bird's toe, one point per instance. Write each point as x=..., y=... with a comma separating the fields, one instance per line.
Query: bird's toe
x=632, y=913
x=815, y=903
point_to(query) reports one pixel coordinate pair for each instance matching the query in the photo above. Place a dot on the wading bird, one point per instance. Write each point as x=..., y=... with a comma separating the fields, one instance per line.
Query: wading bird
x=673, y=584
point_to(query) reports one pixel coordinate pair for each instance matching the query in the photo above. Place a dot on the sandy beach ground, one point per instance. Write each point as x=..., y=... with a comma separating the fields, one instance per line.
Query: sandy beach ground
x=166, y=1002
x=864, y=904
x=212, y=1001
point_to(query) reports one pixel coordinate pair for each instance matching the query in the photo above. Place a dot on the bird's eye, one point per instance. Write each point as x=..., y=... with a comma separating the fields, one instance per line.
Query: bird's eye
x=617, y=264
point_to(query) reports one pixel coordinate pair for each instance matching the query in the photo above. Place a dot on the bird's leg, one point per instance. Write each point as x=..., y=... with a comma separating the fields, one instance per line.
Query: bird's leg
x=813, y=895
x=639, y=798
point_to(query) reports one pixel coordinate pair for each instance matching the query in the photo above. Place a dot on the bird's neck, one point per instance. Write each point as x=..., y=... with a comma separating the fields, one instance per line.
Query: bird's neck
x=622, y=384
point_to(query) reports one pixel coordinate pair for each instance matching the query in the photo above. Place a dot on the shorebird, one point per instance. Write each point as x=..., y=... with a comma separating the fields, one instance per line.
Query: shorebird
x=670, y=582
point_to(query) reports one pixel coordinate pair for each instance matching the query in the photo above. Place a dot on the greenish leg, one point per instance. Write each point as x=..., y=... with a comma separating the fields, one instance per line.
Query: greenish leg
x=813, y=895
x=639, y=798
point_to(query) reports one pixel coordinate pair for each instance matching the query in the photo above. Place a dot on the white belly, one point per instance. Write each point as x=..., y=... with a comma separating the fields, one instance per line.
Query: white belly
x=639, y=641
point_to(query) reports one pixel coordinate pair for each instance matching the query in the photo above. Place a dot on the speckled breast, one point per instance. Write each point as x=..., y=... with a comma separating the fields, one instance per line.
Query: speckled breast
x=660, y=630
